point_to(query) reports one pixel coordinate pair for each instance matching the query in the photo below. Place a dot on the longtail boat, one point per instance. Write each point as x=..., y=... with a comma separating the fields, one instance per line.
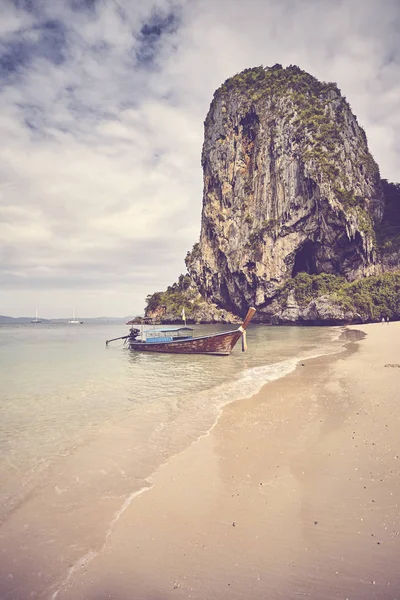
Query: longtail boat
x=180, y=340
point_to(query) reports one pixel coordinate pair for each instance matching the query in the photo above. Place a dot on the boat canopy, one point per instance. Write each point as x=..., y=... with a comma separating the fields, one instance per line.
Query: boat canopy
x=170, y=329
x=167, y=334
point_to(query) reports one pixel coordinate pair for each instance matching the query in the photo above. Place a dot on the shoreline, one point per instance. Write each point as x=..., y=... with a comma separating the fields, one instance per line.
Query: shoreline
x=242, y=511
x=250, y=511
x=273, y=502
x=149, y=481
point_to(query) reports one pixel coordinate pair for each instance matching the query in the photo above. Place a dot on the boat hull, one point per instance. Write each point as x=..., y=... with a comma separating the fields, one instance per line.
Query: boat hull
x=218, y=344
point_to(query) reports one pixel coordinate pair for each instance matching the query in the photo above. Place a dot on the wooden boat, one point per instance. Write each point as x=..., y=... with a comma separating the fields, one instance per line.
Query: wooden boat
x=180, y=340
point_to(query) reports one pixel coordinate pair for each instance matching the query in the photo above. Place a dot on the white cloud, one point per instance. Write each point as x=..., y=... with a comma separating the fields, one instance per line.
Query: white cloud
x=102, y=127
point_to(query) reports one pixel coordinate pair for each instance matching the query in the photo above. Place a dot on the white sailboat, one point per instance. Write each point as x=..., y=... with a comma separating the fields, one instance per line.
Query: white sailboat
x=36, y=319
x=74, y=320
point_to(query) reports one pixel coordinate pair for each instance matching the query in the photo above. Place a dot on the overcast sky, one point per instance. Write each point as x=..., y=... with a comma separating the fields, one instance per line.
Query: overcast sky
x=102, y=104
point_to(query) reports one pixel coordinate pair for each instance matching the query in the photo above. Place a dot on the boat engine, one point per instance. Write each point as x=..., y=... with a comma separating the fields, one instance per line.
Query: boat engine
x=133, y=333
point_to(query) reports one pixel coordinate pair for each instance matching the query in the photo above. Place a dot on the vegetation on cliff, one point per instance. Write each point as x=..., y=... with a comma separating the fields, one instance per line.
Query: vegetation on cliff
x=167, y=306
x=257, y=82
x=367, y=299
x=180, y=295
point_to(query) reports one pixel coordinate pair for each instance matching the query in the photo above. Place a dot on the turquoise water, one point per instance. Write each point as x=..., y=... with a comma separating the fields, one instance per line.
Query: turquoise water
x=84, y=427
x=60, y=386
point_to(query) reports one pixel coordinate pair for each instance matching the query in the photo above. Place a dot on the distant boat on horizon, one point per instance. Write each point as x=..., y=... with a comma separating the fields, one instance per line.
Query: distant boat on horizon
x=36, y=319
x=74, y=320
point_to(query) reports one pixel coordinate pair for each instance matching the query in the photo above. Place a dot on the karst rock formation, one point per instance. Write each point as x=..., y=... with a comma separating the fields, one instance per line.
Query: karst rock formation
x=289, y=186
x=296, y=219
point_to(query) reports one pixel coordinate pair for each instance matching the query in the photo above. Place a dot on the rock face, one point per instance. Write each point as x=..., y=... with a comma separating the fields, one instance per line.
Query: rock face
x=321, y=310
x=388, y=232
x=289, y=187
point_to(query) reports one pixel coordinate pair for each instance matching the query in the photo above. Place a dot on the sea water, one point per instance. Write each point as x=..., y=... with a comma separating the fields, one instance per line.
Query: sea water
x=60, y=384
x=84, y=424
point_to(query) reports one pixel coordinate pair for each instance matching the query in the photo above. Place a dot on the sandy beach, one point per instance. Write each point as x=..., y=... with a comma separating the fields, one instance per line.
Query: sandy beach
x=294, y=493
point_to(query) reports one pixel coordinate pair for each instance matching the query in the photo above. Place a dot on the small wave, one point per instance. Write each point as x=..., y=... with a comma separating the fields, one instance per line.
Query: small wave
x=91, y=554
x=127, y=502
x=200, y=412
x=84, y=560
x=252, y=380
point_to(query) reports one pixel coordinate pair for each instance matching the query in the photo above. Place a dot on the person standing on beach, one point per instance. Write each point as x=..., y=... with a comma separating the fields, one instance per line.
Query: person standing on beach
x=387, y=320
x=383, y=320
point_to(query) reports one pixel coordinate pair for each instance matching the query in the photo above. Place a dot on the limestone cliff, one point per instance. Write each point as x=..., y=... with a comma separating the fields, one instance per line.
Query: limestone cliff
x=296, y=220
x=289, y=187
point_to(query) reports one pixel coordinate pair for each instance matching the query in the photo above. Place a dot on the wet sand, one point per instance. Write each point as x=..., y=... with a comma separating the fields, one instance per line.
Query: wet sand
x=294, y=493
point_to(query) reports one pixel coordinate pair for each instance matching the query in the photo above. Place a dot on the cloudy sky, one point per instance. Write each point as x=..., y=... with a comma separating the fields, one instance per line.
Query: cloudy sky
x=102, y=104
